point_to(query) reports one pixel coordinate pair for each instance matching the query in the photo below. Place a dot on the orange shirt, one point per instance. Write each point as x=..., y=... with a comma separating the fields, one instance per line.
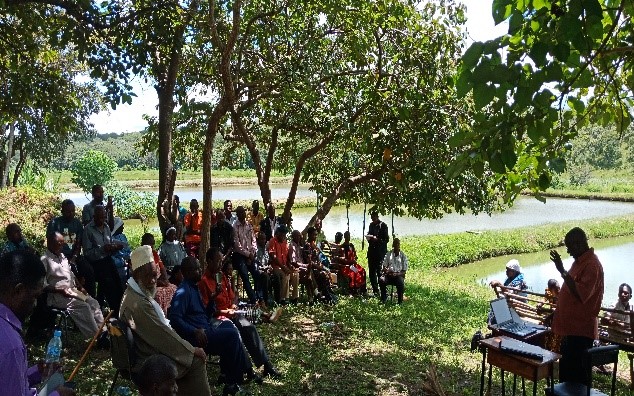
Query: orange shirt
x=207, y=287
x=195, y=223
x=579, y=318
x=280, y=250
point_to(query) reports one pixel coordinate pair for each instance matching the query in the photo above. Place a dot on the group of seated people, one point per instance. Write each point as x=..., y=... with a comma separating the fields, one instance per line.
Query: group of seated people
x=171, y=306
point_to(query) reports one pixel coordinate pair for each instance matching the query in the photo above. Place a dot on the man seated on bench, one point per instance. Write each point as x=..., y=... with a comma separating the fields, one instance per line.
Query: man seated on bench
x=393, y=271
x=152, y=331
x=64, y=292
x=620, y=321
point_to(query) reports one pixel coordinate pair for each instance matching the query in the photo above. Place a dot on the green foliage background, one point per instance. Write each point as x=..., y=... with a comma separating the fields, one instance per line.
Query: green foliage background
x=94, y=167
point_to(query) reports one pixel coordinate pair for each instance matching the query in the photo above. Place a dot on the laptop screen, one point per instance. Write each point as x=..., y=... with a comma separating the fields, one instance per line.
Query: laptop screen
x=501, y=310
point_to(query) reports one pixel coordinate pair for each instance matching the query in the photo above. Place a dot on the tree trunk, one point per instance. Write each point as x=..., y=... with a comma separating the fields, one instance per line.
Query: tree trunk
x=343, y=186
x=166, y=89
x=298, y=173
x=20, y=165
x=164, y=199
x=7, y=159
x=210, y=136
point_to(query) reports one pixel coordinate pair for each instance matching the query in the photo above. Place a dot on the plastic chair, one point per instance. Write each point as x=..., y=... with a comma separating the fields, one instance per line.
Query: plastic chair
x=592, y=357
x=122, y=351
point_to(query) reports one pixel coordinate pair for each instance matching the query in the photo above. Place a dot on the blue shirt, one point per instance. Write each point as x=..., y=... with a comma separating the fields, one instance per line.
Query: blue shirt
x=187, y=312
x=123, y=255
x=11, y=247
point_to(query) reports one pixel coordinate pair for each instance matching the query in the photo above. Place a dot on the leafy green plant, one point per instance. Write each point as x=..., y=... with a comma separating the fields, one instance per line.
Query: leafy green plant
x=92, y=168
x=34, y=177
x=132, y=204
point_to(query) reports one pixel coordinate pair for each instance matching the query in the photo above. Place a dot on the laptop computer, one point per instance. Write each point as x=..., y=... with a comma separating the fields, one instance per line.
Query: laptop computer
x=506, y=320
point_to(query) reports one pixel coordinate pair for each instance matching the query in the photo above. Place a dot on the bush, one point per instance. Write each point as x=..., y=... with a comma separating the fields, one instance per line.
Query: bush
x=92, y=168
x=132, y=204
x=32, y=209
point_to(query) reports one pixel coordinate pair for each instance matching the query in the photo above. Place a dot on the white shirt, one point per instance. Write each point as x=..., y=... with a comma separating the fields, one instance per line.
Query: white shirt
x=243, y=239
x=395, y=263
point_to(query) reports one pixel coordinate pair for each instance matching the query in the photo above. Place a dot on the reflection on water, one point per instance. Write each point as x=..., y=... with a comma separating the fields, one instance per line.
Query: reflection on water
x=615, y=256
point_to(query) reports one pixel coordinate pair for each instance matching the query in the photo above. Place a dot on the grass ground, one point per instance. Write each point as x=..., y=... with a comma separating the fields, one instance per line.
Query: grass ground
x=360, y=347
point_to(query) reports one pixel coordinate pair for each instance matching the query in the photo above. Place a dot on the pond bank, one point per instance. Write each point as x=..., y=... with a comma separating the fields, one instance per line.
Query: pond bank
x=438, y=251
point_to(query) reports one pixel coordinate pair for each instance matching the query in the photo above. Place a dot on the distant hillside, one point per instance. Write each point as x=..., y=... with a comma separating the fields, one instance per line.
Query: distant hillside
x=119, y=147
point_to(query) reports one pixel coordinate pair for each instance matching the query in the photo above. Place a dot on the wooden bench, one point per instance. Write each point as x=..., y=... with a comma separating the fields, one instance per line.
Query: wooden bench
x=531, y=306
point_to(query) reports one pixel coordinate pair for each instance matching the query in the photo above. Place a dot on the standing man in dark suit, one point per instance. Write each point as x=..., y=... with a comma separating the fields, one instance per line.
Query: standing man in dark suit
x=270, y=222
x=377, y=237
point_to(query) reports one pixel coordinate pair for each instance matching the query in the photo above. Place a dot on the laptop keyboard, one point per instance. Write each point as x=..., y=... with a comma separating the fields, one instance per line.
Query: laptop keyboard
x=514, y=327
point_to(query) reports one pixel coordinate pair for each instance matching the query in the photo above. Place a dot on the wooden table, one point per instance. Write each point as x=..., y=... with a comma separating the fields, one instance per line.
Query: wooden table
x=532, y=369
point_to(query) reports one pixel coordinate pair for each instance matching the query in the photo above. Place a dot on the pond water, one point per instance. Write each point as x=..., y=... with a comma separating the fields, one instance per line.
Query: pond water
x=219, y=193
x=526, y=211
x=616, y=256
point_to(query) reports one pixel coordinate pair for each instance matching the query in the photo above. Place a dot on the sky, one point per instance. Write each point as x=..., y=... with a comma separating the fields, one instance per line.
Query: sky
x=129, y=118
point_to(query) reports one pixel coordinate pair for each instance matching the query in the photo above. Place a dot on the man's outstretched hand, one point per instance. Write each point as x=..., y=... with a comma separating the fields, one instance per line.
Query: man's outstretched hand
x=556, y=258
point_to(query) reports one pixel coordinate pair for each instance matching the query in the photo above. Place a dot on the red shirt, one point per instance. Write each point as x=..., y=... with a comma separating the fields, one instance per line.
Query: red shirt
x=280, y=250
x=579, y=318
x=207, y=287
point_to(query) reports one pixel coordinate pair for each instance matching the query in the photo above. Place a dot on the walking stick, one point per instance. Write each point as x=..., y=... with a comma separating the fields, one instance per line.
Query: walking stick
x=92, y=342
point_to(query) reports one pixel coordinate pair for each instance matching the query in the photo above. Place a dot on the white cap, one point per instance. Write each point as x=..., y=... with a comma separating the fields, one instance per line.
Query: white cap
x=141, y=256
x=514, y=264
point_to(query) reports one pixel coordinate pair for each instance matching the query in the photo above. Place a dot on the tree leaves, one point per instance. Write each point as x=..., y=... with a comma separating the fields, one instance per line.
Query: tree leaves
x=558, y=65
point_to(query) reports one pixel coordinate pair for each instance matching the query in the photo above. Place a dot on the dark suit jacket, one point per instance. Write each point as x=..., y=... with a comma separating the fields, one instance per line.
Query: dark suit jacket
x=378, y=248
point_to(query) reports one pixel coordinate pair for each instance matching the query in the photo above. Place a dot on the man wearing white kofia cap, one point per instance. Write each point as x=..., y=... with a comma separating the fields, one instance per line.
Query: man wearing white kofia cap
x=152, y=331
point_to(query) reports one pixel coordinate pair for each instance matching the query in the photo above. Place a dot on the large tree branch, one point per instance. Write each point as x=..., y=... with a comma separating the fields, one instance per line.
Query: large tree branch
x=343, y=186
x=299, y=166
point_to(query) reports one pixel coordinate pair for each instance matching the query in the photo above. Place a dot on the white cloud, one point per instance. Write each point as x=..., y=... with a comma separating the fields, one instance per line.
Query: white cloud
x=129, y=118
x=480, y=25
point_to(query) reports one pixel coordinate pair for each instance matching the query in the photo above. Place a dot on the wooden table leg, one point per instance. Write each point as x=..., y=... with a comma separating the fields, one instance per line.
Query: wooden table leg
x=503, y=385
x=514, y=383
x=490, y=375
x=535, y=385
x=484, y=355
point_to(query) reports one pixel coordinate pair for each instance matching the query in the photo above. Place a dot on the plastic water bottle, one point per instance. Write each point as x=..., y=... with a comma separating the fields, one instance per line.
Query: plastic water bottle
x=53, y=351
x=123, y=391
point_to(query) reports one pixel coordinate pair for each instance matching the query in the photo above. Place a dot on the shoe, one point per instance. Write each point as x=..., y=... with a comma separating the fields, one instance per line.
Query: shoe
x=221, y=379
x=276, y=315
x=272, y=373
x=255, y=377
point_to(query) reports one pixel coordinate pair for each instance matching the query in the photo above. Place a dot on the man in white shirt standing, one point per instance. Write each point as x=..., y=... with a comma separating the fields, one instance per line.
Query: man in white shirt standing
x=64, y=293
x=244, y=250
x=393, y=271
